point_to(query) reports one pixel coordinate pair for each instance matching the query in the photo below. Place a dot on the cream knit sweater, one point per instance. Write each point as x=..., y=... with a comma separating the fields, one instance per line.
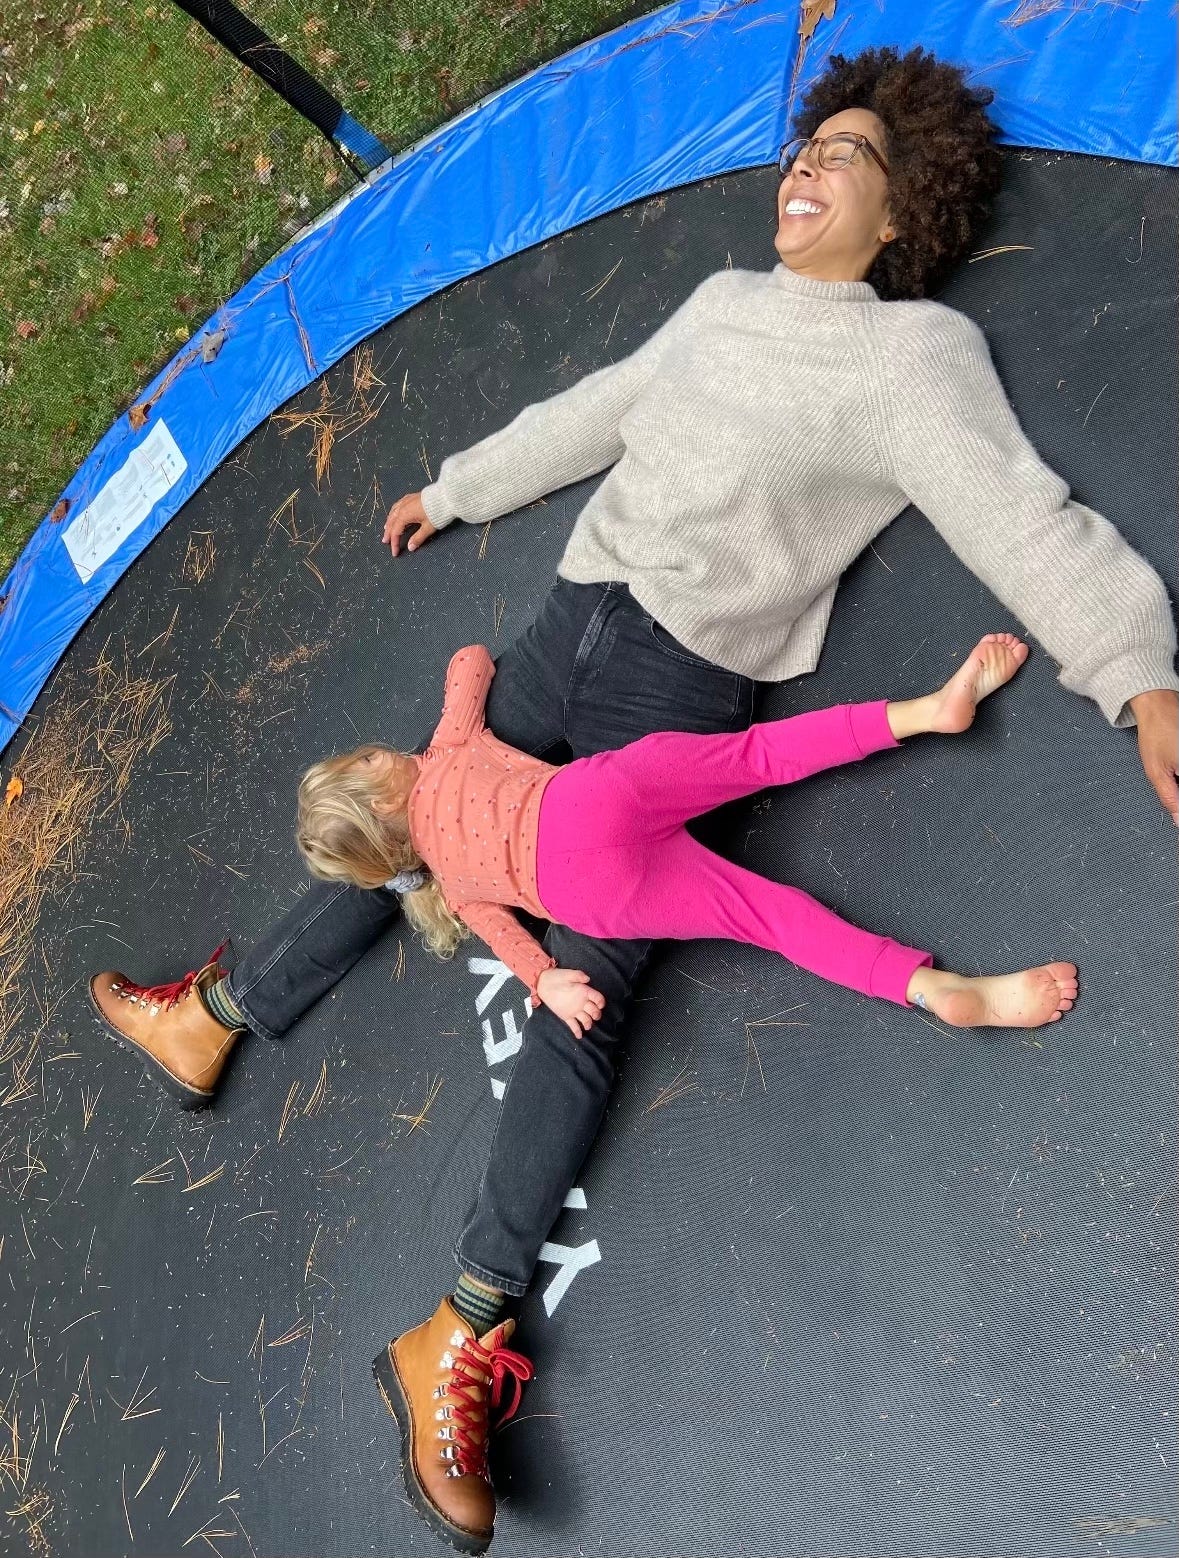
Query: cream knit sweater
x=767, y=432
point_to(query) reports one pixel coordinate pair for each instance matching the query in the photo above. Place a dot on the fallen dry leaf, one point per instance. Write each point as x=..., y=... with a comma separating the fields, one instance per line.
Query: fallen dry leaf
x=14, y=791
x=26, y=329
x=814, y=11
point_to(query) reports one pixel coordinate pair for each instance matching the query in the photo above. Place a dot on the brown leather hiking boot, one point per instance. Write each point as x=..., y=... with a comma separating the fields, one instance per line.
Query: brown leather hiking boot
x=442, y=1383
x=168, y=1026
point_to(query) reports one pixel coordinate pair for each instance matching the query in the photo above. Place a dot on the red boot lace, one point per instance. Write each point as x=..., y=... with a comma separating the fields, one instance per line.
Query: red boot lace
x=471, y=1417
x=168, y=995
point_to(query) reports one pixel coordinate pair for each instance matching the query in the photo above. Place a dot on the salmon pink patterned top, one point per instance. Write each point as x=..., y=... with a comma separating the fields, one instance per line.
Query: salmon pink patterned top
x=474, y=816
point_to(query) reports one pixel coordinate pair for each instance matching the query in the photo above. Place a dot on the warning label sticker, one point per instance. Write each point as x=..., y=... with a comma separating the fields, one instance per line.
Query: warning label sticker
x=124, y=502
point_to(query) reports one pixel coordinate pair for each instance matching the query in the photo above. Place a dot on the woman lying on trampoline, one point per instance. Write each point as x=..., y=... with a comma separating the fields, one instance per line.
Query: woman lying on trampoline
x=473, y=828
x=757, y=443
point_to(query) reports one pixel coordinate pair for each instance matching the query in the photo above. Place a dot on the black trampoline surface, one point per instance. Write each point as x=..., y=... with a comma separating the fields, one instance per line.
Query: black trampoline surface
x=839, y=1280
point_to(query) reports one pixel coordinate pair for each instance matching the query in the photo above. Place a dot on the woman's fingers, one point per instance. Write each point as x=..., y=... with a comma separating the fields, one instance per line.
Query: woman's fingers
x=1158, y=747
x=1163, y=780
x=397, y=529
x=392, y=520
x=423, y=533
x=407, y=513
x=394, y=525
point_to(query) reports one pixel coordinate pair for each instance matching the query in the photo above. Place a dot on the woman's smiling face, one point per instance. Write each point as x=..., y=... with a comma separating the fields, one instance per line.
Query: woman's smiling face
x=840, y=240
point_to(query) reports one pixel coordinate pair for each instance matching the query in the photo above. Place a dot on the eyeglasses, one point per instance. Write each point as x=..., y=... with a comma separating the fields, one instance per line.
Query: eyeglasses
x=832, y=151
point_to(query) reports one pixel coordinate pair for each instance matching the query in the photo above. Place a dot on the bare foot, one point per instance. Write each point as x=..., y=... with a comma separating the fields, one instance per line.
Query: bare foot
x=993, y=661
x=1024, y=1000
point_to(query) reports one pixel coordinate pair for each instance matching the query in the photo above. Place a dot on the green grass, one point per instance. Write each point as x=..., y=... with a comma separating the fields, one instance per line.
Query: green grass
x=144, y=175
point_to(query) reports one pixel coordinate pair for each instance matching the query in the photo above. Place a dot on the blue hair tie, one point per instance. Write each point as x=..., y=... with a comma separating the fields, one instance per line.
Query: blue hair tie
x=408, y=881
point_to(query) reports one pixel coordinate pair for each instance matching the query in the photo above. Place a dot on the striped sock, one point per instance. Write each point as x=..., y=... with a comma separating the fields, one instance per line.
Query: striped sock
x=478, y=1307
x=221, y=1006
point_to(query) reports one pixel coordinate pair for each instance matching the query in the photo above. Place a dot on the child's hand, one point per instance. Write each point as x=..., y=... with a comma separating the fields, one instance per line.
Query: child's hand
x=568, y=993
x=406, y=514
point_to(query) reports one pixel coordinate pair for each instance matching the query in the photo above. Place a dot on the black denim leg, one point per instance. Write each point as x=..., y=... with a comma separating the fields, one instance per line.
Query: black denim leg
x=629, y=678
x=527, y=702
x=551, y=1111
x=303, y=954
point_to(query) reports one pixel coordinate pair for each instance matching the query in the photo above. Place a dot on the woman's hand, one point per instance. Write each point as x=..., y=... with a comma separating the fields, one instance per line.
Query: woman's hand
x=569, y=995
x=1157, y=714
x=407, y=514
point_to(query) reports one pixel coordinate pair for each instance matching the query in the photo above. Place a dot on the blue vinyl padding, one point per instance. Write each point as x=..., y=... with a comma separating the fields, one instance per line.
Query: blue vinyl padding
x=692, y=91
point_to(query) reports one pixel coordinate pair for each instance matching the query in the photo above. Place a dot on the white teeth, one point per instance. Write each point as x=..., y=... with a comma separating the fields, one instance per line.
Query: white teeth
x=802, y=208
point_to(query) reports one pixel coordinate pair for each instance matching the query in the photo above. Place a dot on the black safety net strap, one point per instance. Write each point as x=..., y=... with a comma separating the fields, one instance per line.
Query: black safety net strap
x=246, y=40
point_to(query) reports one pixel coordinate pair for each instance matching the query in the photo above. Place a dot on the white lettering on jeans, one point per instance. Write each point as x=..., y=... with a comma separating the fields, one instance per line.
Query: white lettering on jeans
x=569, y=1259
x=502, y=1049
x=497, y=977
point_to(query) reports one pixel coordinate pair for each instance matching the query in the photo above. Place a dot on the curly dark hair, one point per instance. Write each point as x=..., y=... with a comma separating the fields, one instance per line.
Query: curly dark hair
x=944, y=165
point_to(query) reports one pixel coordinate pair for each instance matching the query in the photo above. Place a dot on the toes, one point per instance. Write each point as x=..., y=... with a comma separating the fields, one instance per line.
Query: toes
x=1056, y=1016
x=1008, y=641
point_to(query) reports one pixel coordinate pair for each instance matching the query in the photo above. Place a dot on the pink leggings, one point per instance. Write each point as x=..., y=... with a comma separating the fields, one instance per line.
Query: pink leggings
x=614, y=858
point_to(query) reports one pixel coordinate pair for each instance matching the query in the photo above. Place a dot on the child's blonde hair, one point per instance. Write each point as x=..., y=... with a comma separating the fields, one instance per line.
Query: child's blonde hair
x=343, y=839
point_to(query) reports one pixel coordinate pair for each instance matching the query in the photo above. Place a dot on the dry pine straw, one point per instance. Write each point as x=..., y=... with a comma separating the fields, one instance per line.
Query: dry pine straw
x=330, y=423
x=74, y=771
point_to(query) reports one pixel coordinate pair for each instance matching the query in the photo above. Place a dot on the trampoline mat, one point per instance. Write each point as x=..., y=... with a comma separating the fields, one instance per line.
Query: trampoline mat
x=835, y=1279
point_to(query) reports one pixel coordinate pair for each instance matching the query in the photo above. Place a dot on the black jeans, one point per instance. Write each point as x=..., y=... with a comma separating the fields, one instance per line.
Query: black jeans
x=593, y=672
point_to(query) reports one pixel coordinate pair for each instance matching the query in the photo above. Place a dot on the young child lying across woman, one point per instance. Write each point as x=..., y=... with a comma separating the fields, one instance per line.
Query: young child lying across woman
x=473, y=829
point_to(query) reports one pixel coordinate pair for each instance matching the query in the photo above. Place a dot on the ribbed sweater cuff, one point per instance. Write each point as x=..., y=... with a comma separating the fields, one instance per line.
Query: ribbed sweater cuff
x=870, y=729
x=1140, y=670
x=439, y=509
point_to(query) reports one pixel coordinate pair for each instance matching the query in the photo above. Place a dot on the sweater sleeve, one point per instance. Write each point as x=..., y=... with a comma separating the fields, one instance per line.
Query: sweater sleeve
x=564, y=439
x=468, y=678
x=958, y=452
x=511, y=943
